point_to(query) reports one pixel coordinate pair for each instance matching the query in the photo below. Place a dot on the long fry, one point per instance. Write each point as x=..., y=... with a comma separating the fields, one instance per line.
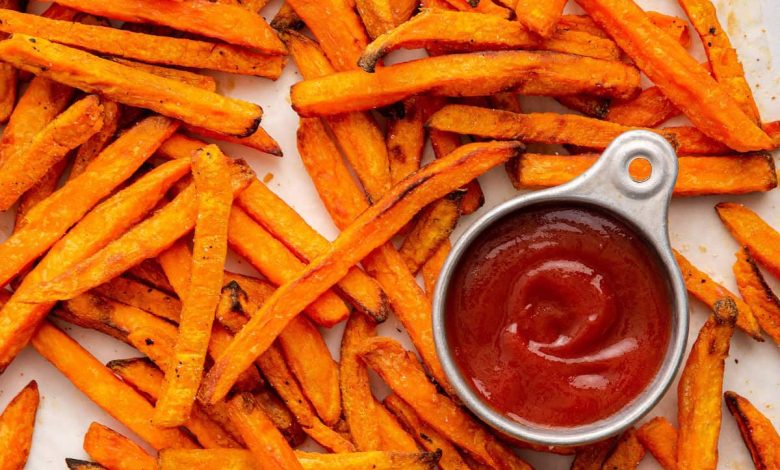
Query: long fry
x=110, y=219
x=698, y=175
x=757, y=294
x=757, y=431
x=258, y=140
x=259, y=433
x=701, y=286
x=761, y=240
x=167, y=224
x=232, y=24
x=135, y=294
x=699, y=391
x=539, y=17
x=104, y=388
x=42, y=189
x=113, y=450
x=432, y=267
x=16, y=427
x=373, y=228
x=69, y=130
x=433, y=227
x=9, y=76
x=400, y=370
x=443, y=144
x=269, y=256
x=144, y=47
x=90, y=149
x=649, y=109
x=706, y=103
x=211, y=176
x=659, y=437
x=406, y=137
x=131, y=86
x=476, y=74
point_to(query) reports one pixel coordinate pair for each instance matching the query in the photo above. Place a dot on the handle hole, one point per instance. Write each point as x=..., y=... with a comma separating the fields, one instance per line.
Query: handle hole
x=640, y=169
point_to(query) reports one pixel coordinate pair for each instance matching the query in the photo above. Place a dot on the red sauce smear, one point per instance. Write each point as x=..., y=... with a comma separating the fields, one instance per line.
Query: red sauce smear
x=558, y=315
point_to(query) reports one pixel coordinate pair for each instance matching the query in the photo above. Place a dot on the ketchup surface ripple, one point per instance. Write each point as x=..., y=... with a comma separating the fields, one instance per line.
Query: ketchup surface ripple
x=558, y=315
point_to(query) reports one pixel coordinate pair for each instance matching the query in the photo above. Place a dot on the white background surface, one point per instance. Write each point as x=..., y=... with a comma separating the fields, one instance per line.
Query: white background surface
x=65, y=413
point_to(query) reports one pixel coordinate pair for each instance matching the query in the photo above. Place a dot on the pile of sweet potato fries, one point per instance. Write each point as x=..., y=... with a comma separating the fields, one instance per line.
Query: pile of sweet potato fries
x=124, y=218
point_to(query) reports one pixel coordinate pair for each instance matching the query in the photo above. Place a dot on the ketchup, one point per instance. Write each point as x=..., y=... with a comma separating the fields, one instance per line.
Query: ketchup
x=558, y=315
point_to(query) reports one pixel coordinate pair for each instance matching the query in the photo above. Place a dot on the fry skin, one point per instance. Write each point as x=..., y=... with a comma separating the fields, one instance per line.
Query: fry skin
x=400, y=370
x=443, y=144
x=757, y=431
x=757, y=294
x=104, y=388
x=115, y=451
x=627, y=453
x=16, y=427
x=659, y=437
x=164, y=50
x=750, y=231
x=258, y=140
x=131, y=86
x=699, y=390
x=373, y=228
x=232, y=24
x=149, y=299
x=406, y=137
x=539, y=17
x=39, y=191
x=190, y=78
x=433, y=227
x=66, y=132
x=698, y=175
x=432, y=268
x=701, y=286
x=90, y=149
x=706, y=103
x=475, y=74
x=649, y=109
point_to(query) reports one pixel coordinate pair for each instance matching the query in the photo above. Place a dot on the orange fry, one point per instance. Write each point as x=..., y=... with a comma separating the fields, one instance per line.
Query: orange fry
x=659, y=437
x=649, y=109
x=211, y=176
x=750, y=231
x=475, y=74
x=258, y=140
x=197, y=80
x=16, y=427
x=443, y=144
x=699, y=399
x=135, y=294
x=39, y=191
x=131, y=86
x=627, y=453
x=757, y=294
x=104, y=388
x=287, y=19
x=757, y=431
x=9, y=76
x=432, y=268
x=232, y=24
x=373, y=228
x=401, y=371
x=113, y=450
x=90, y=149
x=66, y=132
x=699, y=175
x=592, y=456
x=167, y=50
x=675, y=27
x=406, y=137
x=486, y=7
x=706, y=103
x=433, y=227
x=701, y=286
x=539, y=16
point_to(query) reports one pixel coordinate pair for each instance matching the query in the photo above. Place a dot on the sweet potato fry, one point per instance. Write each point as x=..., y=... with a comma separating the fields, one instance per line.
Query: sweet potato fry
x=337, y=27
x=649, y=109
x=723, y=59
x=269, y=256
x=197, y=80
x=38, y=106
x=286, y=19
x=133, y=293
x=90, y=149
x=675, y=27
x=131, y=86
x=486, y=7
x=167, y=224
x=104, y=388
x=433, y=227
x=539, y=17
x=432, y=267
x=66, y=132
x=701, y=286
x=115, y=451
x=627, y=453
x=151, y=274
x=750, y=231
x=76, y=464
x=592, y=456
x=757, y=431
x=699, y=175
x=426, y=437
x=288, y=226
x=476, y=74
x=443, y=144
x=400, y=370
x=373, y=228
x=166, y=50
x=394, y=437
x=406, y=137
x=358, y=135
x=9, y=76
x=16, y=427
x=757, y=294
x=211, y=176
x=103, y=224
x=232, y=24
x=281, y=416
x=42, y=189
x=258, y=140
x=147, y=379
x=377, y=16
x=700, y=387
x=261, y=437
x=659, y=437
x=706, y=103
x=373, y=460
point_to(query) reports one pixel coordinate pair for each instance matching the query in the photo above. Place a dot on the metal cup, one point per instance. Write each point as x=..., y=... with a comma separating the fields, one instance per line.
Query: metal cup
x=643, y=206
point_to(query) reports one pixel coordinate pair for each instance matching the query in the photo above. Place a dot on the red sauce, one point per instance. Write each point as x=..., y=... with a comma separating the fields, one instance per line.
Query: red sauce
x=558, y=315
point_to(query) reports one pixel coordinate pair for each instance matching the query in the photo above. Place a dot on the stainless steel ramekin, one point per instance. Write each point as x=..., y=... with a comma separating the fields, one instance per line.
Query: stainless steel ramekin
x=643, y=206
